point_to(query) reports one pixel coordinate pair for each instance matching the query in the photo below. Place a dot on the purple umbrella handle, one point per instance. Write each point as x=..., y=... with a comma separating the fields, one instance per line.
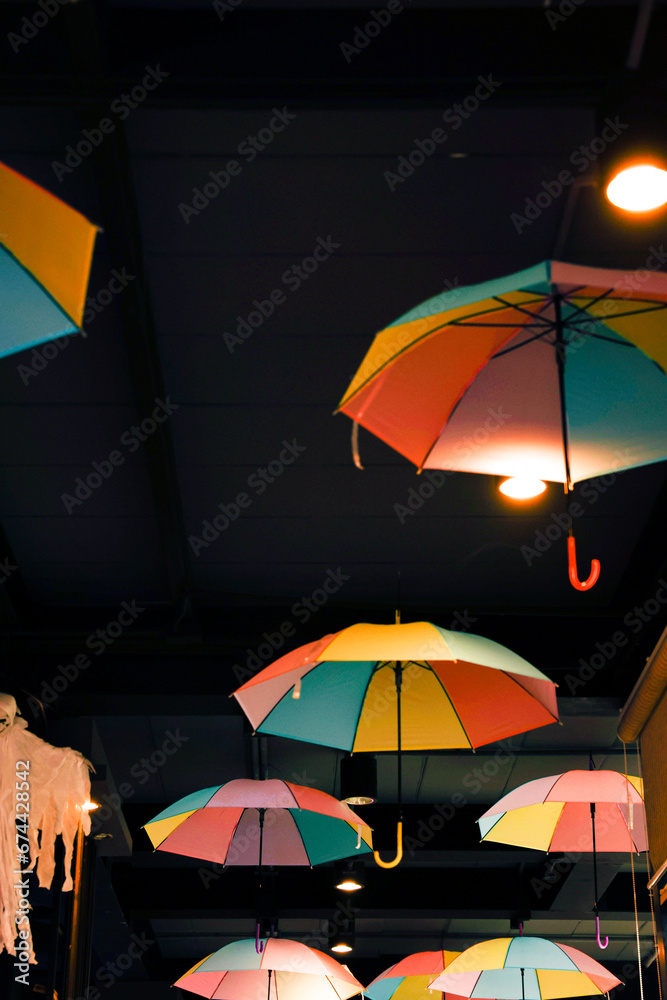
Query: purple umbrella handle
x=259, y=945
x=597, y=933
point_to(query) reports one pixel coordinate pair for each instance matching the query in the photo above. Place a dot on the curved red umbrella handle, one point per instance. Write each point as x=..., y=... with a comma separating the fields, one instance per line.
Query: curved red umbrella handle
x=572, y=565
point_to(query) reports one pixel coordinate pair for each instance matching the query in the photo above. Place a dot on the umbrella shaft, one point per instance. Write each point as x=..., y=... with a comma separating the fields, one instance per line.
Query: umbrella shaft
x=595, y=860
x=560, y=361
x=523, y=988
x=399, y=682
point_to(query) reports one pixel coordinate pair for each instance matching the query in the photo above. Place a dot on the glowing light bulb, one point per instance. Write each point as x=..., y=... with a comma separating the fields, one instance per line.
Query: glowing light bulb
x=341, y=948
x=639, y=188
x=89, y=806
x=522, y=489
x=349, y=885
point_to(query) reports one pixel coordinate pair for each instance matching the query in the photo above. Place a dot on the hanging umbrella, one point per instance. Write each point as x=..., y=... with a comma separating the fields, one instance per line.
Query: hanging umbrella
x=45, y=253
x=284, y=970
x=271, y=822
x=555, y=372
x=393, y=687
x=530, y=968
x=578, y=811
x=409, y=978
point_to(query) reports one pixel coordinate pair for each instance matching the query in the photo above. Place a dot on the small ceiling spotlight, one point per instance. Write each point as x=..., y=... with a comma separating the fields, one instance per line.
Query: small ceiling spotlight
x=522, y=489
x=359, y=779
x=89, y=806
x=639, y=188
x=342, y=939
x=349, y=876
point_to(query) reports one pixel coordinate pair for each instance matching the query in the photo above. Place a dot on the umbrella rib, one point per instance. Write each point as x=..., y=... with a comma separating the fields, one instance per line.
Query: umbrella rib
x=362, y=702
x=591, y=302
x=436, y=329
x=446, y=692
x=538, y=336
x=44, y=289
x=526, y=312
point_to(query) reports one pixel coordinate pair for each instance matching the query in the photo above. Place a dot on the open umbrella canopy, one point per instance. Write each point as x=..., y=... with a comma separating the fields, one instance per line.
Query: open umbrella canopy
x=272, y=822
x=553, y=813
x=45, y=252
x=525, y=967
x=555, y=372
x=457, y=690
x=411, y=977
x=284, y=970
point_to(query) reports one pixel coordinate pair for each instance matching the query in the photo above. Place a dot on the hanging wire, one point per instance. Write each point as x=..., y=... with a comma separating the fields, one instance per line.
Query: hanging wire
x=634, y=883
x=649, y=874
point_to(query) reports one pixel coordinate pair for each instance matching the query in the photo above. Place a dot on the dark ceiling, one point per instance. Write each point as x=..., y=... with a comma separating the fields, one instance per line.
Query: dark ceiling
x=190, y=279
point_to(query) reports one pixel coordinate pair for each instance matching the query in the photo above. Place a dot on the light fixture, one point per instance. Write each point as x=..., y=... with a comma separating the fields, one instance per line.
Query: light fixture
x=89, y=806
x=523, y=488
x=349, y=876
x=641, y=187
x=342, y=939
x=358, y=779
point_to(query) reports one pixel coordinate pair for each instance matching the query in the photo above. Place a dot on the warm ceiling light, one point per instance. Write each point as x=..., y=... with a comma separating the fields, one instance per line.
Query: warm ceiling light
x=522, y=489
x=89, y=806
x=349, y=875
x=639, y=188
x=341, y=948
x=349, y=885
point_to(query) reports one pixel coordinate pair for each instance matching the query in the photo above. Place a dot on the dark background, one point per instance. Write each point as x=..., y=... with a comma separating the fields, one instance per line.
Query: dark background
x=204, y=616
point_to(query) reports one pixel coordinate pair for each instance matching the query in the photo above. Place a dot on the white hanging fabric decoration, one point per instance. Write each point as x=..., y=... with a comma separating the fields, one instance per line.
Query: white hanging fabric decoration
x=59, y=786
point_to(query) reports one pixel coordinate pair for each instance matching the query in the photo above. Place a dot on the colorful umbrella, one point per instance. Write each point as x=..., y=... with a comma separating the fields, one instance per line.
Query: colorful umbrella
x=530, y=968
x=393, y=687
x=576, y=811
x=285, y=970
x=270, y=822
x=555, y=372
x=409, y=978
x=45, y=253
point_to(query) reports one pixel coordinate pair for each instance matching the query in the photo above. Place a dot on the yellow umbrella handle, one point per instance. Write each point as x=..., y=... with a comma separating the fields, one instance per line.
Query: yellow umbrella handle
x=399, y=850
